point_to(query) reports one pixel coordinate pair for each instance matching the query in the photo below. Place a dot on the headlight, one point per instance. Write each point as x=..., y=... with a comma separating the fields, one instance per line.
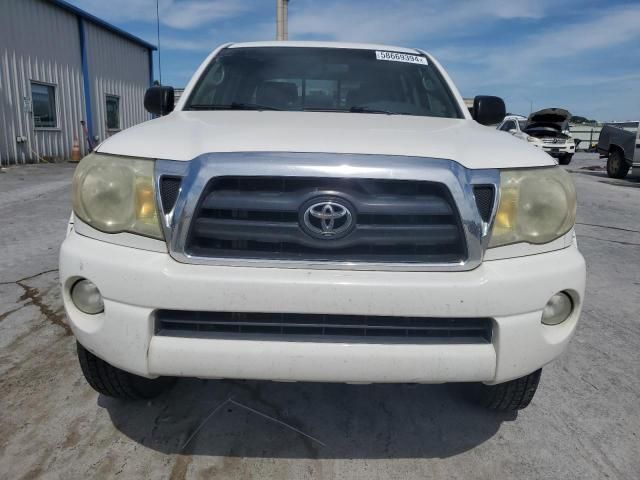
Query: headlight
x=116, y=194
x=537, y=205
x=532, y=139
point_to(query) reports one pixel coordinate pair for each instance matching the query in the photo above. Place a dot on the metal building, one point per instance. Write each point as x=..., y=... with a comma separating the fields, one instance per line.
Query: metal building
x=59, y=66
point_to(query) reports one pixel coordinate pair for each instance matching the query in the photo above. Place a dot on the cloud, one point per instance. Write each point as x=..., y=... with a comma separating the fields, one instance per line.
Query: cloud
x=227, y=32
x=402, y=21
x=594, y=80
x=607, y=29
x=186, y=45
x=178, y=14
x=189, y=14
x=512, y=9
x=527, y=57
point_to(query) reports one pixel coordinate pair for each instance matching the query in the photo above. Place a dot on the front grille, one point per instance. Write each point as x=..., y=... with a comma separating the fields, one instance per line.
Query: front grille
x=316, y=327
x=262, y=218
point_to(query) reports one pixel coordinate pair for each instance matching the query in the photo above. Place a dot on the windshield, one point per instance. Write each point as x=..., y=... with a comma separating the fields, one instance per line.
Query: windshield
x=523, y=124
x=323, y=79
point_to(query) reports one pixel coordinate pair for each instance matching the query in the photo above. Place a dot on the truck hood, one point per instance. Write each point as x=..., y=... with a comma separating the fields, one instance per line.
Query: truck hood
x=184, y=135
x=555, y=118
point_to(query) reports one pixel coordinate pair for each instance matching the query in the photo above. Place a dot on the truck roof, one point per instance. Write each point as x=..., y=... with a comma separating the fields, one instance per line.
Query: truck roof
x=316, y=44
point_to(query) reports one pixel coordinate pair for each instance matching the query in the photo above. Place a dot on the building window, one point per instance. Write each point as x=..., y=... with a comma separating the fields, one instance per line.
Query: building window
x=113, y=112
x=43, y=99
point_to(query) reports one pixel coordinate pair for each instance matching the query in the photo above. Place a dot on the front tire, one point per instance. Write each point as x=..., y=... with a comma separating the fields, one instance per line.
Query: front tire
x=512, y=395
x=616, y=165
x=108, y=380
x=565, y=159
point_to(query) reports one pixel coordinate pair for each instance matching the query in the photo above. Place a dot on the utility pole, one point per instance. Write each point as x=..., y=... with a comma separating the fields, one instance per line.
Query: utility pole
x=282, y=30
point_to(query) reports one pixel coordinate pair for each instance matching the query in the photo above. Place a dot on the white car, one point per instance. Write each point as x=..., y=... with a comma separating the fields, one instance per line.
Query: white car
x=321, y=212
x=547, y=129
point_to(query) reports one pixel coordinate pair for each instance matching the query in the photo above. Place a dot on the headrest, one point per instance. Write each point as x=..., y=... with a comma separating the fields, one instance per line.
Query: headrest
x=277, y=94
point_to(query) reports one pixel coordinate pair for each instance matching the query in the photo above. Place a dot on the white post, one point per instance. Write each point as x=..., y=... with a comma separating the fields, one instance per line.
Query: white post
x=285, y=19
x=282, y=31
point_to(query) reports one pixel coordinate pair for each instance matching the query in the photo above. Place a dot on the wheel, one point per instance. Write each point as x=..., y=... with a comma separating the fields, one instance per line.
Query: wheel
x=616, y=165
x=565, y=159
x=108, y=380
x=510, y=396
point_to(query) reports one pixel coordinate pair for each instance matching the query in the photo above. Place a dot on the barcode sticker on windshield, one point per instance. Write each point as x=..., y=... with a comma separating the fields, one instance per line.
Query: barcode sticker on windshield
x=400, y=57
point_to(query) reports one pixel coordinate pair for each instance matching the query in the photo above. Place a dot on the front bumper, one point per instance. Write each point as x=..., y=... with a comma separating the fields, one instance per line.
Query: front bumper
x=557, y=150
x=136, y=282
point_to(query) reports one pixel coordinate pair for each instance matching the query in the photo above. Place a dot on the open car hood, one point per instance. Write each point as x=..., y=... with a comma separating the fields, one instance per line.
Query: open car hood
x=556, y=118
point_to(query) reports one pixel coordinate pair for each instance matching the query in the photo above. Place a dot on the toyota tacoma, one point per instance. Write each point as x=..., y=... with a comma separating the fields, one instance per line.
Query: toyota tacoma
x=321, y=212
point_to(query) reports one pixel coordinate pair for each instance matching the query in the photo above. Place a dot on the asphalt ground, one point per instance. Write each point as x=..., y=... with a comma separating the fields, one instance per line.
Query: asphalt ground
x=584, y=422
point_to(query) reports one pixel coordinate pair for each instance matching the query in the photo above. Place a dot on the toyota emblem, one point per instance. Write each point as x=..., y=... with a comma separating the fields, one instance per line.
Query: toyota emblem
x=327, y=219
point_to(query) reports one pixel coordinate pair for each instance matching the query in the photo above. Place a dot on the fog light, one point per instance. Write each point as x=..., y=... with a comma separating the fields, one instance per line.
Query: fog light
x=558, y=309
x=86, y=297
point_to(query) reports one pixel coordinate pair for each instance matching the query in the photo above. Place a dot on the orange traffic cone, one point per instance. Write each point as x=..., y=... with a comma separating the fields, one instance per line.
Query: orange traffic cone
x=76, y=156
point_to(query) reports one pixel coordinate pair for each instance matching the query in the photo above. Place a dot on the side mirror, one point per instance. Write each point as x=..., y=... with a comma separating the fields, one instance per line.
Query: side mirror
x=159, y=100
x=513, y=131
x=488, y=110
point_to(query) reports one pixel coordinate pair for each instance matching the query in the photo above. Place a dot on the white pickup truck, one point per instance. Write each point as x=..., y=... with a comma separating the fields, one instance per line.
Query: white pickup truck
x=321, y=212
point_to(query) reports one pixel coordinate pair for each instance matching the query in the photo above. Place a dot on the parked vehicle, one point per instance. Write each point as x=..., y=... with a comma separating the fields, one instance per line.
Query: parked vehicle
x=321, y=212
x=547, y=129
x=618, y=145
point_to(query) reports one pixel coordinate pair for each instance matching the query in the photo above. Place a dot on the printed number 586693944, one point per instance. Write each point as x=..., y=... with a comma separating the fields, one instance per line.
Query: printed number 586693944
x=400, y=57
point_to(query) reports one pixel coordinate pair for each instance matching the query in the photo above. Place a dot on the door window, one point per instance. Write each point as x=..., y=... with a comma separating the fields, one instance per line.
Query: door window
x=508, y=125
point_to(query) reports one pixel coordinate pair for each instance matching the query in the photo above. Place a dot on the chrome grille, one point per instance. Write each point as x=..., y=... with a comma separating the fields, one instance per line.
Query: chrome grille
x=454, y=183
x=261, y=218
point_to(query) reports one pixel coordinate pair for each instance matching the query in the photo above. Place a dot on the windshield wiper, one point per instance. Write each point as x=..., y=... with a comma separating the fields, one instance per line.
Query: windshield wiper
x=320, y=109
x=351, y=110
x=371, y=110
x=232, y=106
x=255, y=106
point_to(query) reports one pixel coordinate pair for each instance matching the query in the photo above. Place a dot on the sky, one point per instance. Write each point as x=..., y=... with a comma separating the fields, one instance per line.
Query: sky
x=582, y=55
